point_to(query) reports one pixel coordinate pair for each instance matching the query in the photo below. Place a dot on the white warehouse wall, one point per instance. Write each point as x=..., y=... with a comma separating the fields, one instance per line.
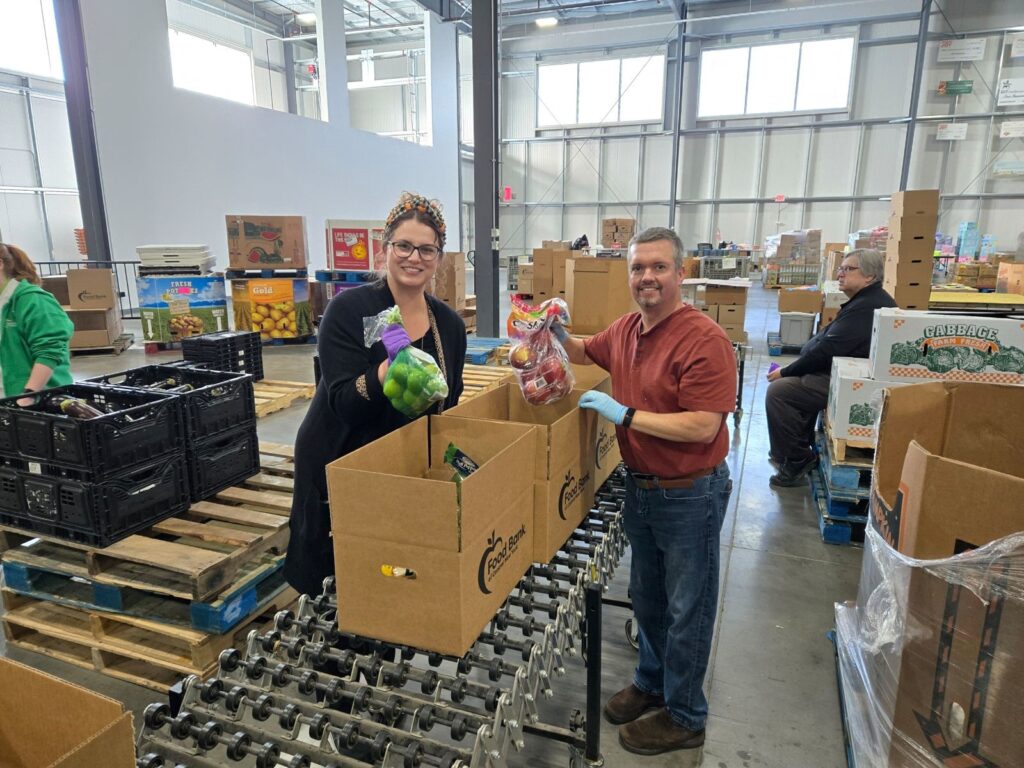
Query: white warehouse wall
x=173, y=162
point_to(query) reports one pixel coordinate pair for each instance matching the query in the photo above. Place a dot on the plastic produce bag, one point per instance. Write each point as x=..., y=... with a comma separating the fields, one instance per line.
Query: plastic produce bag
x=540, y=362
x=413, y=381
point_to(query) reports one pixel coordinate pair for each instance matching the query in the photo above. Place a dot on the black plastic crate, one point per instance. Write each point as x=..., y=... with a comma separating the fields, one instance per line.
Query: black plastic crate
x=219, y=400
x=94, y=513
x=143, y=426
x=239, y=351
x=223, y=460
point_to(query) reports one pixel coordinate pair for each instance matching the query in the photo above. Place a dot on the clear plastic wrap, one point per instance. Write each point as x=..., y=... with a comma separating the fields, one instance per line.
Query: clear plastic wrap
x=930, y=658
x=540, y=363
x=413, y=381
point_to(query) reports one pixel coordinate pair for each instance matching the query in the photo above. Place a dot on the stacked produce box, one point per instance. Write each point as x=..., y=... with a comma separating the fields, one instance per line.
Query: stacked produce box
x=179, y=294
x=792, y=258
x=909, y=250
x=616, y=233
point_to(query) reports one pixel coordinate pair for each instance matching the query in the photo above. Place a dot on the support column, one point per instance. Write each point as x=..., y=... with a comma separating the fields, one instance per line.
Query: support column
x=677, y=114
x=485, y=164
x=78, y=99
x=915, y=89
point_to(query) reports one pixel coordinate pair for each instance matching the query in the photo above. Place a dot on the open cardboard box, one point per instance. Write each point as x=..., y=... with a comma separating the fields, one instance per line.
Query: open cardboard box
x=564, y=487
x=46, y=722
x=395, y=503
x=606, y=449
x=949, y=477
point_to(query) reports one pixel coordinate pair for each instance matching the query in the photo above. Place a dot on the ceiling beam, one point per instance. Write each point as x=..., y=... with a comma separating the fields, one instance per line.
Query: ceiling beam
x=443, y=8
x=678, y=8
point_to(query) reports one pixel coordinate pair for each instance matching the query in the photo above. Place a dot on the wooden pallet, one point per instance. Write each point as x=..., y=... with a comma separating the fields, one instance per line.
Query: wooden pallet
x=143, y=652
x=856, y=453
x=119, y=345
x=198, y=553
x=481, y=378
x=273, y=396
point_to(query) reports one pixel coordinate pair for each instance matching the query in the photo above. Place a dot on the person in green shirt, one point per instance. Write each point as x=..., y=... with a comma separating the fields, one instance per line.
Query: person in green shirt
x=34, y=330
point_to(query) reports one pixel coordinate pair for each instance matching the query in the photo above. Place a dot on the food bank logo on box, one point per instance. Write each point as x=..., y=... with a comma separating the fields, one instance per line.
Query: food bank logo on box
x=497, y=553
x=570, y=491
x=90, y=296
x=605, y=444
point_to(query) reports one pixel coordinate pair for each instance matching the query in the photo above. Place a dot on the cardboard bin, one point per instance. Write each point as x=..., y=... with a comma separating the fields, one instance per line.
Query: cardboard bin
x=716, y=293
x=854, y=399
x=179, y=306
x=94, y=327
x=394, y=504
x=449, y=283
x=564, y=488
x=266, y=242
x=802, y=299
x=597, y=291
x=46, y=722
x=58, y=286
x=732, y=314
x=915, y=202
x=276, y=307
x=1010, y=278
x=91, y=289
x=711, y=310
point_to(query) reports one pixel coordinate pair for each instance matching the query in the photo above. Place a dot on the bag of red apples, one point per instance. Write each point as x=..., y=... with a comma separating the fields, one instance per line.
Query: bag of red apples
x=539, y=361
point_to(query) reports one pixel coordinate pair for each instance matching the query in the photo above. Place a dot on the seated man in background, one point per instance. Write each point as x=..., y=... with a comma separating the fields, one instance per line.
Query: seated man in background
x=800, y=390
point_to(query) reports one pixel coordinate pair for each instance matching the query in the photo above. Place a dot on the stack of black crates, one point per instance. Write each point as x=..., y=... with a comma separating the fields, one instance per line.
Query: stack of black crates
x=221, y=446
x=96, y=480
x=238, y=351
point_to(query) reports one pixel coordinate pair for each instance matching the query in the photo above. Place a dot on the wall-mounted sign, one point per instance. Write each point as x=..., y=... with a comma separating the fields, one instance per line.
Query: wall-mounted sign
x=951, y=132
x=955, y=87
x=1010, y=92
x=972, y=49
x=1017, y=47
x=1011, y=129
x=1008, y=169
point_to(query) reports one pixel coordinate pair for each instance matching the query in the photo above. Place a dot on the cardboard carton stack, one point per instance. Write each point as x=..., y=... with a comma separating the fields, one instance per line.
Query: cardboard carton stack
x=830, y=261
x=450, y=281
x=1010, y=278
x=854, y=399
x=597, y=292
x=725, y=302
x=832, y=300
x=616, y=233
x=792, y=258
x=914, y=217
x=89, y=296
x=546, y=274
x=799, y=306
x=266, y=242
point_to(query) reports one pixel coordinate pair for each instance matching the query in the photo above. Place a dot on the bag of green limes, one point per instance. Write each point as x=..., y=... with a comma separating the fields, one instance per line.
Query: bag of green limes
x=413, y=381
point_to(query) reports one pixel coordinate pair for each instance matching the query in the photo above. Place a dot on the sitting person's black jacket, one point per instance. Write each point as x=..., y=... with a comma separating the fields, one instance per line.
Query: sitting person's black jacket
x=849, y=335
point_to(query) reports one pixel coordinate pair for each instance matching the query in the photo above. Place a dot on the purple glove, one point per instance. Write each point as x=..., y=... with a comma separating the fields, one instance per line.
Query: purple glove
x=395, y=340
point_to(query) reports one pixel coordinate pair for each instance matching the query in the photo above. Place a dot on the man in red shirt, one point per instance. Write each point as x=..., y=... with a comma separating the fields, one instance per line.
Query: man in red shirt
x=673, y=377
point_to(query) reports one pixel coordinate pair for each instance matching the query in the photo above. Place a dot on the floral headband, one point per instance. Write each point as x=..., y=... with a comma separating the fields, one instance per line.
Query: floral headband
x=409, y=203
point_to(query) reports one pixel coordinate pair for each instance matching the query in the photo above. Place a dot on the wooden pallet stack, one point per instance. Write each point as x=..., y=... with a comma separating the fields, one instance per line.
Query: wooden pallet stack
x=162, y=604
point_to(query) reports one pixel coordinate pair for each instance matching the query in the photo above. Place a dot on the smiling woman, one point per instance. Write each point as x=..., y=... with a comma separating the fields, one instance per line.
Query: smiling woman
x=350, y=407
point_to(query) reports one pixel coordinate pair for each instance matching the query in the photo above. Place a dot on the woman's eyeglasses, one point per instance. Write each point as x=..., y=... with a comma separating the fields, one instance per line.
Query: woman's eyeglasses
x=405, y=249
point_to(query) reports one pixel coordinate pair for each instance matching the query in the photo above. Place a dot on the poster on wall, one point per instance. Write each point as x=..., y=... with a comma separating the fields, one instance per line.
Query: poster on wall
x=962, y=50
x=1017, y=47
x=951, y=132
x=955, y=87
x=1010, y=92
x=1011, y=129
x=1004, y=169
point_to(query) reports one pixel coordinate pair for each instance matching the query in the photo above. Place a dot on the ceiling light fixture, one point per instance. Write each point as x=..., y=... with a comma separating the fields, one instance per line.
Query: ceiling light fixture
x=545, y=22
x=306, y=19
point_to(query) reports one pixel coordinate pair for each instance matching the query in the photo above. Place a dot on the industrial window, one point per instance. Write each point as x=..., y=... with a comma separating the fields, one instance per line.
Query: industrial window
x=201, y=65
x=629, y=90
x=776, y=78
x=28, y=38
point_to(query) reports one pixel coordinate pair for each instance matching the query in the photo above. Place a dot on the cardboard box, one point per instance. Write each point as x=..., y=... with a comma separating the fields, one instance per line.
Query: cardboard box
x=91, y=289
x=394, y=503
x=95, y=327
x=909, y=295
x=828, y=314
x=915, y=202
x=948, y=478
x=735, y=333
x=691, y=268
x=725, y=294
x=711, y=310
x=606, y=449
x=262, y=242
x=908, y=267
x=564, y=488
x=800, y=300
x=1011, y=278
x=46, y=722
x=58, y=286
x=916, y=227
x=175, y=307
x=450, y=281
x=732, y=314
x=276, y=307
x=918, y=346
x=556, y=245
x=549, y=269
x=987, y=283
x=597, y=291
x=854, y=399
x=832, y=297
x=356, y=246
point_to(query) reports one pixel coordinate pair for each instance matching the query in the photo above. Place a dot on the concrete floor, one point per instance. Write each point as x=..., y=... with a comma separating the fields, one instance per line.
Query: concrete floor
x=771, y=680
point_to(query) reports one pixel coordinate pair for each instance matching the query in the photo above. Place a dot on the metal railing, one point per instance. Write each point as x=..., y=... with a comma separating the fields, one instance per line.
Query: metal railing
x=126, y=274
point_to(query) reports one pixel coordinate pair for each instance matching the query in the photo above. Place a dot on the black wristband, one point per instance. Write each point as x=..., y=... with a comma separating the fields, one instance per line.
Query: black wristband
x=628, y=418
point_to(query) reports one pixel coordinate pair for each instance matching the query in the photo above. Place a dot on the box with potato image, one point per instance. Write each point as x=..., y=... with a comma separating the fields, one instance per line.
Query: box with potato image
x=276, y=308
x=176, y=307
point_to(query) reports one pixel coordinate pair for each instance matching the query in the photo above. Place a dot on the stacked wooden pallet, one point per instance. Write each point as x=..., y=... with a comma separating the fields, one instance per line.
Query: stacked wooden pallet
x=481, y=378
x=161, y=604
x=272, y=396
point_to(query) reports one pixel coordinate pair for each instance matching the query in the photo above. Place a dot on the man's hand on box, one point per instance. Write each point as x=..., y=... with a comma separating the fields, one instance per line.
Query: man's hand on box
x=607, y=406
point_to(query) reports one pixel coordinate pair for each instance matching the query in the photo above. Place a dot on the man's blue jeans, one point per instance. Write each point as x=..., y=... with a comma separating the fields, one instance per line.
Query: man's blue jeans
x=673, y=582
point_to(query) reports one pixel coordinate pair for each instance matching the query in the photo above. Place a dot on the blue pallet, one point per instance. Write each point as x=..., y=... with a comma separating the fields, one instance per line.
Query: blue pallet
x=478, y=356
x=483, y=341
x=344, y=276
x=837, y=505
x=834, y=530
x=845, y=481
x=245, y=598
x=264, y=272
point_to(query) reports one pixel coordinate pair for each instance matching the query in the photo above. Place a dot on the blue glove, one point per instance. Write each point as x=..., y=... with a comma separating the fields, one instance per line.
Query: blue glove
x=607, y=406
x=559, y=332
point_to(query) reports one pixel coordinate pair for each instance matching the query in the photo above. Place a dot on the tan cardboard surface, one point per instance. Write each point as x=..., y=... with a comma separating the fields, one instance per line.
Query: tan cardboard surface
x=711, y=310
x=94, y=327
x=46, y=722
x=724, y=294
x=91, y=289
x=732, y=314
x=58, y=286
x=915, y=202
x=800, y=300
x=1010, y=278
x=274, y=242
x=597, y=291
x=919, y=225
